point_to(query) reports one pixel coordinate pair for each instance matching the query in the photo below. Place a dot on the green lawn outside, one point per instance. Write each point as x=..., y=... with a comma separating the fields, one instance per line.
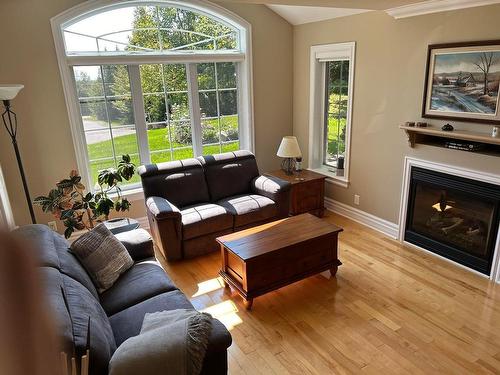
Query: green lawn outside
x=338, y=103
x=158, y=141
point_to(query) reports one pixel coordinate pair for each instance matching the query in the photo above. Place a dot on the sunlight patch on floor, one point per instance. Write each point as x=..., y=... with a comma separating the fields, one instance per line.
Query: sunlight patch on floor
x=209, y=286
x=226, y=312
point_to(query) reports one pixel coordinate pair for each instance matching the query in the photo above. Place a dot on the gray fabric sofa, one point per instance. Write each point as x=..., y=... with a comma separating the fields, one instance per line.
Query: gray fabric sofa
x=116, y=314
x=191, y=202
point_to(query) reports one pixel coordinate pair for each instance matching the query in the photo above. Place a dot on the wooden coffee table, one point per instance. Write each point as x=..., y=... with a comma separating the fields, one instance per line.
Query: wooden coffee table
x=259, y=260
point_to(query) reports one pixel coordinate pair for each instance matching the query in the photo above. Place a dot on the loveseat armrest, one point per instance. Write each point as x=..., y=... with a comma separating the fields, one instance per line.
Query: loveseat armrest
x=276, y=189
x=138, y=243
x=165, y=222
x=161, y=208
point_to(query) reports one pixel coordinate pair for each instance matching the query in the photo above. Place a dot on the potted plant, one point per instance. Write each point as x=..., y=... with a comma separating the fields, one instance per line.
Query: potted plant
x=79, y=210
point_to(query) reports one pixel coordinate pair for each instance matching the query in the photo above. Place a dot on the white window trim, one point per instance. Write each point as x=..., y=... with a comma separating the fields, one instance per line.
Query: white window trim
x=85, y=9
x=319, y=55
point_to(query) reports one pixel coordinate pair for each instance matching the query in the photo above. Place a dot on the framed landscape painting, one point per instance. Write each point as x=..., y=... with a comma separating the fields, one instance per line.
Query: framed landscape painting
x=462, y=82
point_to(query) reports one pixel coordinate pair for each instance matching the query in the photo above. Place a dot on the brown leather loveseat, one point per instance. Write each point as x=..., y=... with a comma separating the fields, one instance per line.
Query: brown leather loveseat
x=191, y=202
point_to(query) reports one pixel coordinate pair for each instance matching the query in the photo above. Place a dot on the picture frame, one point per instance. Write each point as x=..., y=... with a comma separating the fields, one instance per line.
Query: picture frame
x=462, y=82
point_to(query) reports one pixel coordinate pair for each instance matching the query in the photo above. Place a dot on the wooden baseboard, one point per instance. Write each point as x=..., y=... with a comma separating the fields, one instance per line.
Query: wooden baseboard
x=386, y=227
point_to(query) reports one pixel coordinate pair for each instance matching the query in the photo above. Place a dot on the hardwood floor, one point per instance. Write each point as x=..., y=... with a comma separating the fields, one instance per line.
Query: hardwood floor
x=390, y=310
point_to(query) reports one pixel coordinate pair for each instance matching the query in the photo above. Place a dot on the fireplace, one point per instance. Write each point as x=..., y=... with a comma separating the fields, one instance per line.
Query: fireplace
x=454, y=217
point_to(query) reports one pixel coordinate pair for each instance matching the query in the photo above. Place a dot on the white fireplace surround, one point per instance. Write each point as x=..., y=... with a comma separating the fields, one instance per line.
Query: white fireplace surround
x=411, y=162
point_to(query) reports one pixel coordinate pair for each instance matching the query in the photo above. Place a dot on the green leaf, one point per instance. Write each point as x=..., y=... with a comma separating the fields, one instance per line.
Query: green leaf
x=126, y=168
x=67, y=214
x=104, y=206
x=66, y=183
x=68, y=232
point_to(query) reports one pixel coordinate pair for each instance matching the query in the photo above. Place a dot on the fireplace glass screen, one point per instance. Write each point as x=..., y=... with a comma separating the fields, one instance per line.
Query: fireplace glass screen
x=453, y=217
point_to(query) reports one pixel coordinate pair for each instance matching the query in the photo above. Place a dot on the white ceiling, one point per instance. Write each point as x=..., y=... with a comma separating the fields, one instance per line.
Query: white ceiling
x=349, y=4
x=298, y=15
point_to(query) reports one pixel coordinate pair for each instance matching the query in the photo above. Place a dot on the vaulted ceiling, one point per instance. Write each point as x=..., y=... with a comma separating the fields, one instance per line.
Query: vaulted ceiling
x=303, y=11
x=352, y=4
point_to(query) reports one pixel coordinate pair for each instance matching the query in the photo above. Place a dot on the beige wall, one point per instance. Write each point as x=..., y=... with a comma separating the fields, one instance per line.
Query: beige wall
x=28, y=57
x=389, y=78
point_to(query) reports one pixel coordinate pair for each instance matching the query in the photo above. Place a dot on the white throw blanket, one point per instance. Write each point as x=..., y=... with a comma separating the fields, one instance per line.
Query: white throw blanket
x=170, y=342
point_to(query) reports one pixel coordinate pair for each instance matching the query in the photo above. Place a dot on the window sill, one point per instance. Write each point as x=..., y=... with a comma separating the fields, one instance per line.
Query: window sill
x=334, y=176
x=134, y=194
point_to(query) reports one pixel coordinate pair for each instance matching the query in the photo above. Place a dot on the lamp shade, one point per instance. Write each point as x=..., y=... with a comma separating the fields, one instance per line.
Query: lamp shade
x=289, y=147
x=9, y=92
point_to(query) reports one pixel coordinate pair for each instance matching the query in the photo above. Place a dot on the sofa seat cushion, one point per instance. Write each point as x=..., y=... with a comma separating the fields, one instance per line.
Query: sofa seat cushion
x=202, y=219
x=249, y=208
x=128, y=322
x=141, y=282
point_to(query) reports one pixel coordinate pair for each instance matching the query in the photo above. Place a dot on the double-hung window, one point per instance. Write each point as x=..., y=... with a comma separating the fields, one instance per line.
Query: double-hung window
x=160, y=81
x=331, y=93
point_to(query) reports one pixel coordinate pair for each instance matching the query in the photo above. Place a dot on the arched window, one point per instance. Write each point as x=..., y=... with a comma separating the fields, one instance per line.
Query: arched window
x=158, y=80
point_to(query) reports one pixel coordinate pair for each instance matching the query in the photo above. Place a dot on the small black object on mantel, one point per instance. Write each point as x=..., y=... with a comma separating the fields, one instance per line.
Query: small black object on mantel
x=421, y=125
x=447, y=128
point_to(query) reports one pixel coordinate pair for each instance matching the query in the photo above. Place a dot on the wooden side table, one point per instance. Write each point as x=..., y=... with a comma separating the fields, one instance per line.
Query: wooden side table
x=307, y=191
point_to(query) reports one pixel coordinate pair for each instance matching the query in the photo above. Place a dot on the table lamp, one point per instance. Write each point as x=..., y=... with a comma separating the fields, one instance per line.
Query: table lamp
x=7, y=93
x=289, y=150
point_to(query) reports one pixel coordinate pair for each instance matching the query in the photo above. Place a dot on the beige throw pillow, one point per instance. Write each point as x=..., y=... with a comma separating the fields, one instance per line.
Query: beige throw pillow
x=103, y=256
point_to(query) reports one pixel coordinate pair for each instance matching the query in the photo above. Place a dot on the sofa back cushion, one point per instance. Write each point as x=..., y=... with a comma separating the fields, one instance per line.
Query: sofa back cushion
x=52, y=250
x=72, y=306
x=230, y=173
x=181, y=182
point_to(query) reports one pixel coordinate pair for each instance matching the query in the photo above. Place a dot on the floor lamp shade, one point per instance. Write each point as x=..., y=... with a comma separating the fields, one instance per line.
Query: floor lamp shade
x=9, y=92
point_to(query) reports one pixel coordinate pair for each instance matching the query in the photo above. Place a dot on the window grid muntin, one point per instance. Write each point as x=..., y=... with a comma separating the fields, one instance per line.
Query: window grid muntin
x=232, y=30
x=217, y=90
x=105, y=99
x=337, y=116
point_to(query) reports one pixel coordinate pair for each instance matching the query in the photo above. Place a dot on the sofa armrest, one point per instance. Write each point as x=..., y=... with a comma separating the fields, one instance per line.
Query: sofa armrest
x=165, y=222
x=276, y=189
x=270, y=186
x=138, y=243
x=161, y=208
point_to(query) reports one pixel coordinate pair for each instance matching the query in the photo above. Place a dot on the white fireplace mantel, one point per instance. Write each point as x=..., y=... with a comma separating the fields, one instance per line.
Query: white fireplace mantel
x=411, y=162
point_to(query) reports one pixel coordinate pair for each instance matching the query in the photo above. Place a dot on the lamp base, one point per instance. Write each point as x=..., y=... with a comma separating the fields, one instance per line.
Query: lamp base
x=288, y=165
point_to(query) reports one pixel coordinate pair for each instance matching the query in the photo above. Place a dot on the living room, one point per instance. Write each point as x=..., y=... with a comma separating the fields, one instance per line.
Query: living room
x=379, y=118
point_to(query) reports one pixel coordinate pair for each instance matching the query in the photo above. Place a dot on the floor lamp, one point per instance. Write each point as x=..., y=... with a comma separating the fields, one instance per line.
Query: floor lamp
x=7, y=93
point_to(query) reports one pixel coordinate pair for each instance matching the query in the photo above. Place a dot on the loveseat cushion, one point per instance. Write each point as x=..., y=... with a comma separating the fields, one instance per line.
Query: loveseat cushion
x=181, y=182
x=141, y=282
x=249, y=208
x=230, y=173
x=202, y=219
x=128, y=322
x=52, y=250
x=73, y=321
